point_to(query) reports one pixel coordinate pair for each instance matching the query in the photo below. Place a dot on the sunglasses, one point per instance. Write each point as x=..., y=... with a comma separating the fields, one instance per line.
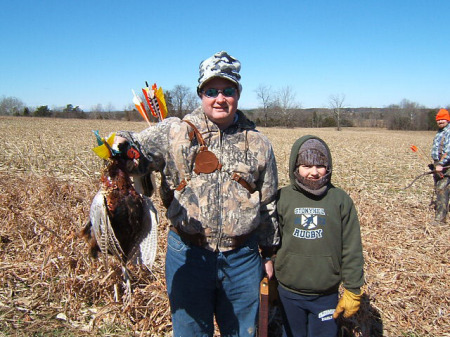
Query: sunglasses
x=213, y=93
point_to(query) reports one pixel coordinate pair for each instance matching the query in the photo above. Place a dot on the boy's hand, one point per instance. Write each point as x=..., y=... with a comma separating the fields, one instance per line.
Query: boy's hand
x=268, y=268
x=349, y=304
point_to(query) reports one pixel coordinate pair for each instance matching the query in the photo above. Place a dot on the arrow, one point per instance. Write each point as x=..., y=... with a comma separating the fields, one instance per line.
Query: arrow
x=140, y=107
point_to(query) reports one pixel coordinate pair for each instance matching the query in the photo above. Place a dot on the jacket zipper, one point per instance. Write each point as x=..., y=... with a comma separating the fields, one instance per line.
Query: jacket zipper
x=220, y=196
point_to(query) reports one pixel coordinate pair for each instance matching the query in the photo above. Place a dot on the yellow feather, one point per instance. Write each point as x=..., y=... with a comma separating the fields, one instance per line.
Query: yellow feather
x=103, y=151
x=110, y=140
x=162, y=100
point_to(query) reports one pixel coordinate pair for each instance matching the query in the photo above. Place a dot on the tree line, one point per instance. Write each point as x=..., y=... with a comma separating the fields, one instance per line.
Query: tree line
x=275, y=108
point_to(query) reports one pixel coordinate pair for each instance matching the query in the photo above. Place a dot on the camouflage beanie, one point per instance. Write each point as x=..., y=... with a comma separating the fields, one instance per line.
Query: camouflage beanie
x=313, y=153
x=220, y=65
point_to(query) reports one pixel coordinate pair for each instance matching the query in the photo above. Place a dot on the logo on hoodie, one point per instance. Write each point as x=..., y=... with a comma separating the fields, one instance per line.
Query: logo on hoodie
x=307, y=219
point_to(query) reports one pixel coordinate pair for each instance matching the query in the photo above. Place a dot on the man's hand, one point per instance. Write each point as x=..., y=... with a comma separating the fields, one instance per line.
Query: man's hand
x=118, y=140
x=439, y=170
x=349, y=304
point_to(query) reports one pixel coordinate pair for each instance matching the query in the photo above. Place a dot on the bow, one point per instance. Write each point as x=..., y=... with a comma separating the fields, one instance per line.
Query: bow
x=424, y=174
x=264, y=308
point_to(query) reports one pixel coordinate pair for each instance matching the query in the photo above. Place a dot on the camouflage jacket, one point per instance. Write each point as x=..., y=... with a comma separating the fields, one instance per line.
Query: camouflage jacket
x=214, y=204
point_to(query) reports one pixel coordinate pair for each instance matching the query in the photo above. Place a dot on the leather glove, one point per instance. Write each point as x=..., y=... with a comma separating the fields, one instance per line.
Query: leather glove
x=431, y=167
x=349, y=304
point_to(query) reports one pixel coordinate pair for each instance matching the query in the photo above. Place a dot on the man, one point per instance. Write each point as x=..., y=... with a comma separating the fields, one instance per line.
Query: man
x=440, y=153
x=219, y=184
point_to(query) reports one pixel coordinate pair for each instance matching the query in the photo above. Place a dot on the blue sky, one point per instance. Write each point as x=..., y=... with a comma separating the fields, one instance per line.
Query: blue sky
x=85, y=53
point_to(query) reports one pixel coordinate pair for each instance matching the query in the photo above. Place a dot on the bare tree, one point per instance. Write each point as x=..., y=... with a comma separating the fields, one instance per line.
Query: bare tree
x=97, y=111
x=97, y=108
x=337, y=106
x=110, y=108
x=413, y=109
x=108, y=111
x=11, y=106
x=183, y=99
x=264, y=94
x=192, y=102
x=129, y=110
x=287, y=104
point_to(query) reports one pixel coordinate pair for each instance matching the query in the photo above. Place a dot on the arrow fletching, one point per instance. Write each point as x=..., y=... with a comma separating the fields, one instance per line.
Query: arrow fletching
x=162, y=102
x=105, y=150
x=140, y=107
x=151, y=102
x=419, y=152
x=154, y=97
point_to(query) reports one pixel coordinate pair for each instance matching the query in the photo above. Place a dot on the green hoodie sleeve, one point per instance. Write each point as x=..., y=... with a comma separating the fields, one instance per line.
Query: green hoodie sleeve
x=352, y=255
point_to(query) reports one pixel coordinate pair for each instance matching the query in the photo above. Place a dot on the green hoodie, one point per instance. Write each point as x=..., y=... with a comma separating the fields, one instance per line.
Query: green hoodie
x=321, y=240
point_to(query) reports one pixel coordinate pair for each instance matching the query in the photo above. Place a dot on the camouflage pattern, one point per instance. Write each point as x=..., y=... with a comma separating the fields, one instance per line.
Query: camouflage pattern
x=442, y=189
x=220, y=65
x=213, y=204
x=440, y=153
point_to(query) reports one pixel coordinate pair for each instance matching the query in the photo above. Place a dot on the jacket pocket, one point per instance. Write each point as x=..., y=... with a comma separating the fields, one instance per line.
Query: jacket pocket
x=308, y=274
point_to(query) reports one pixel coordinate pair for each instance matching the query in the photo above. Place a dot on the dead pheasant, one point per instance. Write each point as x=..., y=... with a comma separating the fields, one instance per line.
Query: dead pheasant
x=122, y=222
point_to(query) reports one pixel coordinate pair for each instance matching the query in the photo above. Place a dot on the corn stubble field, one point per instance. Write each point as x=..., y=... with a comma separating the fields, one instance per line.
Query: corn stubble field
x=50, y=287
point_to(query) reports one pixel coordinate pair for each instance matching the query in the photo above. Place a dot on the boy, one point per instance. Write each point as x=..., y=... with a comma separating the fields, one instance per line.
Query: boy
x=320, y=245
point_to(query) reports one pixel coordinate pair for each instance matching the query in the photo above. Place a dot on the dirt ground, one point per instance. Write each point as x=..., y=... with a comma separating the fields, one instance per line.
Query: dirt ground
x=50, y=287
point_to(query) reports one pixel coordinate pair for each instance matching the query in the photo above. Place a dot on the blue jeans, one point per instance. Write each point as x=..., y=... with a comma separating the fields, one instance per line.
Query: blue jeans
x=308, y=315
x=202, y=284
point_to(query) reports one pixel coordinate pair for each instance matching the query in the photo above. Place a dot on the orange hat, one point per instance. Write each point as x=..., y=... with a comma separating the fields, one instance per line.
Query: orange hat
x=443, y=114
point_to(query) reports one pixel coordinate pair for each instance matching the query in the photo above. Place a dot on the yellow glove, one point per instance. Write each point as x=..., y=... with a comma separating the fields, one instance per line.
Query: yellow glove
x=349, y=304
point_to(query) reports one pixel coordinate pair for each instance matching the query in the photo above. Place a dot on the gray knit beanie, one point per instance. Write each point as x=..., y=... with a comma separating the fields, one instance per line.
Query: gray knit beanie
x=314, y=153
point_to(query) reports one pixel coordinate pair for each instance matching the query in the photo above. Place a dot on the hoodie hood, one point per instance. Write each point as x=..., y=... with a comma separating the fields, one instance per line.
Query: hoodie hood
x=293, y=164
